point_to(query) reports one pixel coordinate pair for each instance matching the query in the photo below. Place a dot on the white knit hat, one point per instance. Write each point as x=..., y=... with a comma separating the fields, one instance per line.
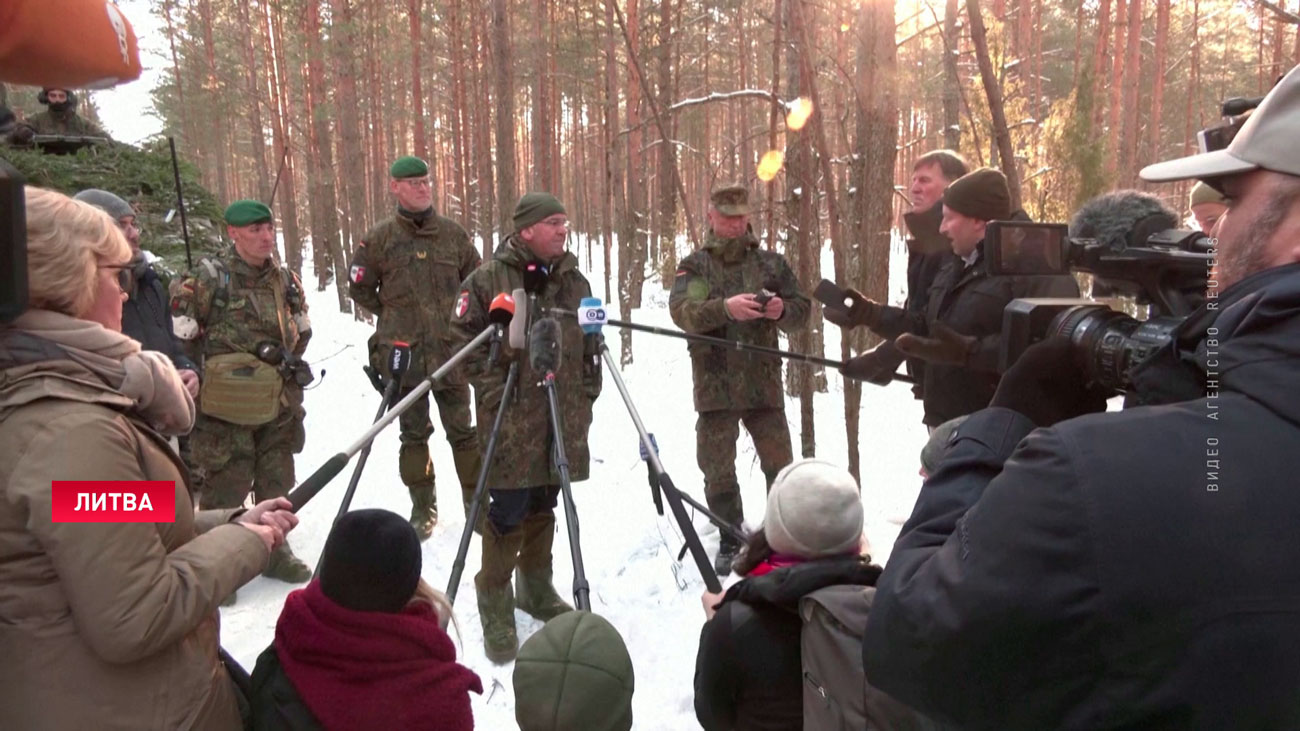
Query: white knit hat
x=814, y=510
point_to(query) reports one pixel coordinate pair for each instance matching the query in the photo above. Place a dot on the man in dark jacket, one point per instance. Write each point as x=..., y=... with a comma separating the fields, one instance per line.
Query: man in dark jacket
x=1131, y=569
x=146, y=314
x=960, y=334
x=732, y=289
x=525, y=481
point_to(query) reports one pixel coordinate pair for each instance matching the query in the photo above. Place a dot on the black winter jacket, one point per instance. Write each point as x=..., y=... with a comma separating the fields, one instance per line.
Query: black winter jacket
x=749, y=672
x=276, y=703
x=146, y=317
x=1121, y=570
x=971, y=302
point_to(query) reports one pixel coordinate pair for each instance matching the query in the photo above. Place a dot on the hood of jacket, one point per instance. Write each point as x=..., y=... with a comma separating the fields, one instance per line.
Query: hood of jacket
x=575, y=673
x=1257, y=352
x=784, y=587
x=33, y=368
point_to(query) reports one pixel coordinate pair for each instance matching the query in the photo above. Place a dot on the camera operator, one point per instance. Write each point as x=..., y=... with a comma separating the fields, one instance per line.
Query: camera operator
x=959, y=334
x=1133, y=569
x=732, y=289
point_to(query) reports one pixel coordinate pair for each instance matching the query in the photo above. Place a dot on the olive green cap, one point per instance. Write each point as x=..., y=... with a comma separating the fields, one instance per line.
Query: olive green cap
x=981, y=194
x=247, y=213
x=533, y=207
x=730, y=200
x=408, y=167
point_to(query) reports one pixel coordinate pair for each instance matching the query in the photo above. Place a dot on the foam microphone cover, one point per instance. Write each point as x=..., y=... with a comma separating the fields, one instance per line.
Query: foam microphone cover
x=544, y=345
x=502, y=309
x=1122, y=219
x=517, y=335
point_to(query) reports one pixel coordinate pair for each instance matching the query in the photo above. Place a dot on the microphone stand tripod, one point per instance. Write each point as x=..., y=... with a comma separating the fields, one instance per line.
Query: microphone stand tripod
x=581, y=590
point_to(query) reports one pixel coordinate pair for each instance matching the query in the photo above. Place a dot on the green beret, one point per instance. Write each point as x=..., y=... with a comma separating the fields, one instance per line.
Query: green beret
x=533, y=207
x=730, y=200
x=408, y=167
x=980, y=194
x=247, y=213
x=1202, y=193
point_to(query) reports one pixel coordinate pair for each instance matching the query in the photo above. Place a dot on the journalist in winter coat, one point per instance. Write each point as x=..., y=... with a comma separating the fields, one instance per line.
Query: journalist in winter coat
x=104, y=625
x=1133, y=569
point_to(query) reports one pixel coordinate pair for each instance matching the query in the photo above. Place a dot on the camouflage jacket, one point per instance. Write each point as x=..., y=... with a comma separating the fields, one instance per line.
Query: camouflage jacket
x=727, y=378
x=226, y=306
x=69, y=124
x=523, y=455
x=409, y=275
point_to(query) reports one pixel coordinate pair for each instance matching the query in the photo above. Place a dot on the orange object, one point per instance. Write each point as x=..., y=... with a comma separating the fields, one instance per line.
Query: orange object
x=74, y=44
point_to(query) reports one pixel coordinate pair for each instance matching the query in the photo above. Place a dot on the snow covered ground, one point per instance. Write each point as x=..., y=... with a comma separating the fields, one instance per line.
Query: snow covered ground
x=629, y=551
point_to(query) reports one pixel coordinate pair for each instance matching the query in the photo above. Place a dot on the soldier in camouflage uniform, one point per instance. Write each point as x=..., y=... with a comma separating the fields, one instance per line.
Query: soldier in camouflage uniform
x=61, y=118
x=407, y=270
x=523, y=480
x=228, y=306
x=720, y=291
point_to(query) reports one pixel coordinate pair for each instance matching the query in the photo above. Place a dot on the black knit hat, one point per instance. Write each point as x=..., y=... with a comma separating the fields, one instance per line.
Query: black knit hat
x=371, y=562
x=980, y=194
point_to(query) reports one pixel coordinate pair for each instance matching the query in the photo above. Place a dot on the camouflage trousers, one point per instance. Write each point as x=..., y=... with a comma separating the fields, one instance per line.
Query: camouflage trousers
x=228, y=460
x=413, y=462
x=716, y=433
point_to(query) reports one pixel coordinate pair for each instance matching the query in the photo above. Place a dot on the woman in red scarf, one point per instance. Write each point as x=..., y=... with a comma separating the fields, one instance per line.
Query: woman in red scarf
x=364, y=646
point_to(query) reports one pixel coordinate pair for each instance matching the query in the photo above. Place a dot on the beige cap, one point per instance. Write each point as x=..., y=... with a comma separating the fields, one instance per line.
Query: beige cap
x=1266, y=141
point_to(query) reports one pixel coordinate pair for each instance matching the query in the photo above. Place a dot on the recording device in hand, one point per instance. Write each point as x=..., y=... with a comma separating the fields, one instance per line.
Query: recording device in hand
x=1126, y=240
x=591, y=316
x=544, y=346
x=13, y=244
x=399, y=360
x=290, y=366
x=500, y=313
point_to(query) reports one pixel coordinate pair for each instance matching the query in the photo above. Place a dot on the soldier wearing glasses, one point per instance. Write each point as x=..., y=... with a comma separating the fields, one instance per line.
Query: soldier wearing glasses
x=407, y=270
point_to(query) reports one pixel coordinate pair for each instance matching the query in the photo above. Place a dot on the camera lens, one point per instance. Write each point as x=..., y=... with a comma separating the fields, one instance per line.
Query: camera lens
x=1110, y=343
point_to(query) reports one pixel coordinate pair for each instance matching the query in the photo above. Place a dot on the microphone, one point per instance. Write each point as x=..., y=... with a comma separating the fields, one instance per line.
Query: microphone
x=535, y=276
x=591, y=316
x=500, y=313
x=1122, y=219
x=544, y=346
x=519, y=323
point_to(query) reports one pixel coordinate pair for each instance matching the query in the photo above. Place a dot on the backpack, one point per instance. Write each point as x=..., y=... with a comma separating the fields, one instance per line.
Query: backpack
x=836, y=695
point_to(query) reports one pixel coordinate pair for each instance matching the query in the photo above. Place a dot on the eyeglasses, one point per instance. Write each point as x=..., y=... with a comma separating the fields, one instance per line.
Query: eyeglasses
x=123, y=274
x=418, y=182
x=557, y=222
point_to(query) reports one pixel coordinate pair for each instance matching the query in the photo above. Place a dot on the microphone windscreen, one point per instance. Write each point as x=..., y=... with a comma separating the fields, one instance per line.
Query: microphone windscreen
x=517, y=335
x=544, y=345
x=502, y=309
x=591, y=315
x=535, y=276
x=1113, y=219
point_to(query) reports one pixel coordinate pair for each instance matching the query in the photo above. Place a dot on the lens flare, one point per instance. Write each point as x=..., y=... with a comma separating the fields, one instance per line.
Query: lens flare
x=800, y=110
x=770, y=165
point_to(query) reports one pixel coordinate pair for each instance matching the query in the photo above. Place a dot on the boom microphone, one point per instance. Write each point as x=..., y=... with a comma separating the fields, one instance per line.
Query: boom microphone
x=500, y=313
x=1122, y=219
x=518, y=335
x=591, y=316
x=544, y=346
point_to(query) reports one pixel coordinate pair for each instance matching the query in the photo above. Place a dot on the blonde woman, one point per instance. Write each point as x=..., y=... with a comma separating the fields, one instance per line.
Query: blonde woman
x=364, y=646
x=105, y=625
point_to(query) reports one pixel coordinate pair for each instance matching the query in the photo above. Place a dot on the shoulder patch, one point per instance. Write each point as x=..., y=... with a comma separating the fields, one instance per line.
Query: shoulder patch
x=462, y=303
x=358, y=273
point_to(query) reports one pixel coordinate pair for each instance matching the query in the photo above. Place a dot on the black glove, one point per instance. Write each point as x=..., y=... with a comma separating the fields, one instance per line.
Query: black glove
x=944, y=345
x=874, y=366
x=861, y=312
x=1048, y=384
x=376, y=380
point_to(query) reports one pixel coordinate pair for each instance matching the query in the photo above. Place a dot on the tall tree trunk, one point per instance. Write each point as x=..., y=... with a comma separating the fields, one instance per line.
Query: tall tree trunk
x=769, y=196
x=631, y=240
x=414, y=9
x=1133, y=74
x=284, y=158
x=324, y=206
x=613, y=195
x=951, y=76
x=182, y=107
x=541, y=112
x=1193, y=81
x=1116, y=85
x=1100, y=55
x=502, y=52
x=216, y=127
x=254, y=101
x=1153, y=149
x=666, y=231
x=1001, y=134
x=343, y=39
x=482, y=112
x=459, y=120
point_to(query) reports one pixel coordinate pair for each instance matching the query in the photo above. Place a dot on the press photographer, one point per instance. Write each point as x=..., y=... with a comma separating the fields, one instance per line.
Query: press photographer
x=1132, y=569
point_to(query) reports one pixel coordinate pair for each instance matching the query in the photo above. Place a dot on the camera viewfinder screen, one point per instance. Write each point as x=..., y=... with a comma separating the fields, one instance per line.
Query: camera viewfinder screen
x=1032, y=249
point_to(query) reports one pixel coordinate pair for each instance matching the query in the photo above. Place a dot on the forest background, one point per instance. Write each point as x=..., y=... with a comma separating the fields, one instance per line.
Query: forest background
x=630, y=112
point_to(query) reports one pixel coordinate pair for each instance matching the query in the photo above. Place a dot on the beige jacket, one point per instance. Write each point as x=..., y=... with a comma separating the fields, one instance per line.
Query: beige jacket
x=105, y=625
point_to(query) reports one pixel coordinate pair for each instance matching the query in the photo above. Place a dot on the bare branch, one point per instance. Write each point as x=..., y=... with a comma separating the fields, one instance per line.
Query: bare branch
x=1282, y=13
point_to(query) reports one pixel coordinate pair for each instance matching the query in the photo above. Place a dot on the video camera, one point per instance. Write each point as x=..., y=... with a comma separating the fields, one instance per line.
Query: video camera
x=1164, y=268
x=290, y=366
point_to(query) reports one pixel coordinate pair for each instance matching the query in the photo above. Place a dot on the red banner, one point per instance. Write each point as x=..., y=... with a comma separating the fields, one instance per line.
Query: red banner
x=113, y=501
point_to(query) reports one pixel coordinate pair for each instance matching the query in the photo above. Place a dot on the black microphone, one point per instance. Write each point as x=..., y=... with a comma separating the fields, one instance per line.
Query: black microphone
x=500, y=313
x=1122, y=219
x=544, y=346
x=535, y=276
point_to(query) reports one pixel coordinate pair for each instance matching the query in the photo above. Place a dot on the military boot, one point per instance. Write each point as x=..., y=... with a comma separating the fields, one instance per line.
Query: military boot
x=287, y=567
x=534, y=592
x=424, y=510
x=496, y=599
x=468, y=464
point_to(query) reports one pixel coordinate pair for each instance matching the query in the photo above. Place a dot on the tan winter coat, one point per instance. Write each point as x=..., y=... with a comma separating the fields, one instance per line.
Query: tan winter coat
x=105, y=625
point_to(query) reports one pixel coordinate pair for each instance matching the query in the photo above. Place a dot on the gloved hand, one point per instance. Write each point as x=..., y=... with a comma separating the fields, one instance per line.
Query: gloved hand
x=1048, y=384
x=862, y=312
x=944, y=345
x=376, y=380
x=877, y=365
